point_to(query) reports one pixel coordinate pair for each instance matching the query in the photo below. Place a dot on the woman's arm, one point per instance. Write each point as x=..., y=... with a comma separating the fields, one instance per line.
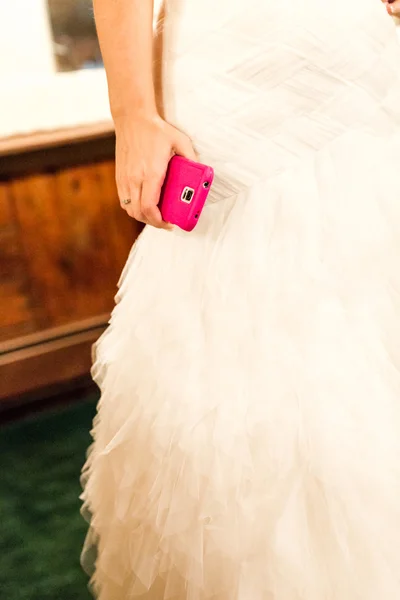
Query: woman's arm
x=126, y=38
x=145, y=142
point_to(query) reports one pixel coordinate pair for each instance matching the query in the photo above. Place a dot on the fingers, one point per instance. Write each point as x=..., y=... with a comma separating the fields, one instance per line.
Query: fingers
x=142, y=160
x=182, y=145
x=134, y=208
x=129, y=188
x=144, y=195
x=150, y=197
x=393, y=7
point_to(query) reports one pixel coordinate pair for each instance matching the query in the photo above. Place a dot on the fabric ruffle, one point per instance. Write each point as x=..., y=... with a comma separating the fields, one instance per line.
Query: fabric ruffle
x=247, y=440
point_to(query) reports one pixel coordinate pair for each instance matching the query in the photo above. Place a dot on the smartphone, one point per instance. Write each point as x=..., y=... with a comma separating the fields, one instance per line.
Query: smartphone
x=184, y=192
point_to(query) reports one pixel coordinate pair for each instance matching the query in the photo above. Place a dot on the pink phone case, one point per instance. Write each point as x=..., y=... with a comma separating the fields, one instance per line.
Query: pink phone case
x=184, y=192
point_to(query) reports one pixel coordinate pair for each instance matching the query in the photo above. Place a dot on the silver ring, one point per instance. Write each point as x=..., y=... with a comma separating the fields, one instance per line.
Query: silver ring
x=127, y=201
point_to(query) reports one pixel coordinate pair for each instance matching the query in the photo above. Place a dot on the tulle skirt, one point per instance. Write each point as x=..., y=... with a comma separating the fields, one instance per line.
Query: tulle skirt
x=247, y=442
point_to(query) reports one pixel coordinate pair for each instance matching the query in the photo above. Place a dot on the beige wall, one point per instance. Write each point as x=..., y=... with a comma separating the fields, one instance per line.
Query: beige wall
x=33, y=96
x=25, y=39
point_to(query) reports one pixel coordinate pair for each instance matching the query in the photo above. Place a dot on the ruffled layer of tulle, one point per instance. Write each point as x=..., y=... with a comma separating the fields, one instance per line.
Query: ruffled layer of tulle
x=247, y=441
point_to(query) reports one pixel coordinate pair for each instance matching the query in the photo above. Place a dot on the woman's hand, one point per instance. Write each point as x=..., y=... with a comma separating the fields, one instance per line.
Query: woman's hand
x=393, y=7
x=145, y=144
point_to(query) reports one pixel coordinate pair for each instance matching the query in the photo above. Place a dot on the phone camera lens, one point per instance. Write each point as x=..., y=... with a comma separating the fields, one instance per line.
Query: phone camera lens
x=206, y=184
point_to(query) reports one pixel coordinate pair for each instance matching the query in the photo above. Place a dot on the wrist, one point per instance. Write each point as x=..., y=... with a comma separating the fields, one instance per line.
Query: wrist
x=134, y=111
x=129, y=121
x=133, y=108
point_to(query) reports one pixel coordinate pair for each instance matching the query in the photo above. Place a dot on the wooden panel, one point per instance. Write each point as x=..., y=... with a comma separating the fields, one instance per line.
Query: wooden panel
x=33, y=160
x=63, y=242
x=50, y=363
x=87, y=261
x=42, y=235
x=6, y=219
x=94, y=252
x=56, y=137
x=50, y=335
x=122, y=230
x=76, y=239
x=16, y=314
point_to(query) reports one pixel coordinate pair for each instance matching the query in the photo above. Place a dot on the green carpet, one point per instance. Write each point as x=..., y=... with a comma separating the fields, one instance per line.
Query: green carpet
x=41, y=530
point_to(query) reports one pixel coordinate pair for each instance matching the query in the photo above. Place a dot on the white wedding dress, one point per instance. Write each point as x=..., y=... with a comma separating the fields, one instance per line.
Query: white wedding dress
x=247, y=443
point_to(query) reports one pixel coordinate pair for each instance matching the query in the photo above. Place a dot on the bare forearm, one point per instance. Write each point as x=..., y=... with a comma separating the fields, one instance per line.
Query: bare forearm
x=126, y=39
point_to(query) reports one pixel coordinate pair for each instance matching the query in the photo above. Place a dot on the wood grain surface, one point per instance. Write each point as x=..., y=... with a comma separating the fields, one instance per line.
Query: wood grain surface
x=73, y=239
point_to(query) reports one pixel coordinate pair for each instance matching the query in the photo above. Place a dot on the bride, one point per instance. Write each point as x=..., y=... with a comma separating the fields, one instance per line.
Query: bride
x=247, y=442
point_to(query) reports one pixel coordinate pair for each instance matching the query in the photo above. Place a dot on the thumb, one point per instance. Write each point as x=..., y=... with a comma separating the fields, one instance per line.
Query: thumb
x=183, y=146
